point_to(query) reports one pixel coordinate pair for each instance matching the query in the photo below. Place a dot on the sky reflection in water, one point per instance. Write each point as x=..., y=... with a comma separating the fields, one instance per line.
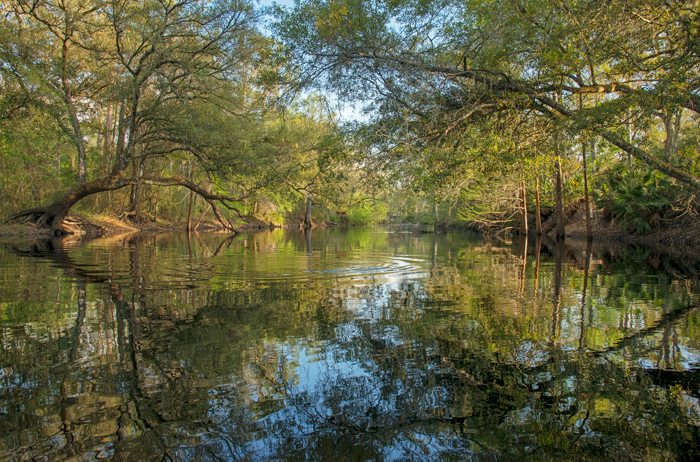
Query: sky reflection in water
x=355, y=344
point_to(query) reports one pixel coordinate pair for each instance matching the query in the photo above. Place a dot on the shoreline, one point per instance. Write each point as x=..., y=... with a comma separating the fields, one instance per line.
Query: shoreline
x=679, y=237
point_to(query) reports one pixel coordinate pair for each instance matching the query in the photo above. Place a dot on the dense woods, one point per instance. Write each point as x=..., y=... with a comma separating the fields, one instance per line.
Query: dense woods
x=465, y=111
x=557, y=118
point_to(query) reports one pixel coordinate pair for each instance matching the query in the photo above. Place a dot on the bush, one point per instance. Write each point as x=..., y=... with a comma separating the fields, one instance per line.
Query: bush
x=635, y=199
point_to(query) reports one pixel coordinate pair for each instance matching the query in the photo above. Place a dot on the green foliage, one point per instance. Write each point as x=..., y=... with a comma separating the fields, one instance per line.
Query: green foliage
x=34, y=158
x=367, y=213
x=636, y=199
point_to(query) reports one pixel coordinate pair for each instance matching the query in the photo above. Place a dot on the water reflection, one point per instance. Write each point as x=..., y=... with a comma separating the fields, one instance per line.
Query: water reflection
x=346, y=345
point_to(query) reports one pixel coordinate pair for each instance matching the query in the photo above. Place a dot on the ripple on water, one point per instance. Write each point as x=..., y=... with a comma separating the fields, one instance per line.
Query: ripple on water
x=302, y=268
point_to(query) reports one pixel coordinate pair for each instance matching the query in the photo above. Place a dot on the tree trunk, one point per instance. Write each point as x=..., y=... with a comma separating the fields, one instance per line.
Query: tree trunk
x=77, y=139
x=108, y=147
x=201, y=217
x=672, y=125
x=309, y=202
x=538, y=213
x=523, y=209
x=65, y=87
x=559, y=198
x=189, y=212
x=630, y=137
x=586, y=198
x=136, y=188
x=54, y=214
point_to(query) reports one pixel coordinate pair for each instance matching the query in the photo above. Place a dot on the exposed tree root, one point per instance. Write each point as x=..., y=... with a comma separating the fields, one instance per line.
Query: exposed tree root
x=54, y=215
x=25, y=216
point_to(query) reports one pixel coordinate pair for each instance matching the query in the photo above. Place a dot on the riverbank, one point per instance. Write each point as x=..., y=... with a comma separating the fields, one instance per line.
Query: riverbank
x=106, y=225
x=680, y=235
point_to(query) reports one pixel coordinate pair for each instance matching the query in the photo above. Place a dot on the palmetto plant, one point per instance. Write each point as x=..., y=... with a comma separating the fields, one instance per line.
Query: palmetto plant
x=635, y=199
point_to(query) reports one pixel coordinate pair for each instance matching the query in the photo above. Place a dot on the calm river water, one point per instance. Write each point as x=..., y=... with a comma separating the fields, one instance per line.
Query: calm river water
x=360, y=344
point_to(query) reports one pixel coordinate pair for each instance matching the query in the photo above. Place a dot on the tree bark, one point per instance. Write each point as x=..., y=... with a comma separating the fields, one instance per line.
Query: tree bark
x=54, y=214
x=586, y=198
x=523, y=208
x=201, y=217
x=136, y=188
x=77, y=138
x=538, y=213
x=189, y=212
x=559, y=198
x=309, y=202
x=672, y=125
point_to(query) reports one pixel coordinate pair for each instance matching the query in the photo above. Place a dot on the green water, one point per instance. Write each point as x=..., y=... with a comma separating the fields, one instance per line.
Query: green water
x=361, y=344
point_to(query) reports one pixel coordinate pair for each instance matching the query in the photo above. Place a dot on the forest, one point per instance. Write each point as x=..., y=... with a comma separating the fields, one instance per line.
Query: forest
x=505, y=114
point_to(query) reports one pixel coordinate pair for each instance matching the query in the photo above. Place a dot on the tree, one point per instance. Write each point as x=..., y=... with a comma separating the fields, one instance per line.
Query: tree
x=158, y=62
x=451, y=63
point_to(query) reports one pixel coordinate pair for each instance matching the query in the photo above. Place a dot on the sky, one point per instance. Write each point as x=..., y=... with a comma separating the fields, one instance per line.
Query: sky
x=346, y=112
x=287, y=3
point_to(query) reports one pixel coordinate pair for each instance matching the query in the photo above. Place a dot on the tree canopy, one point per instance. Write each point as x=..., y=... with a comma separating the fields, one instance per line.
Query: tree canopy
x=456, y=92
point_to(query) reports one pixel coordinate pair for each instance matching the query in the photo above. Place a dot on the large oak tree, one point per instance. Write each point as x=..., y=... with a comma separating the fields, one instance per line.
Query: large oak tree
x=435, y=69
x=161, y=67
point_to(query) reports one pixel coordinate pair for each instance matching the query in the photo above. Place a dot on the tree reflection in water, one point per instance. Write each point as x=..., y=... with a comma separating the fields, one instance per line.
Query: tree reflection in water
x=346, y=345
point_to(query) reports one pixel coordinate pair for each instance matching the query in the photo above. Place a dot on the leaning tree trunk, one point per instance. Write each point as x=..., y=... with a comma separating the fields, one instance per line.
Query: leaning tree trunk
x=53, y=215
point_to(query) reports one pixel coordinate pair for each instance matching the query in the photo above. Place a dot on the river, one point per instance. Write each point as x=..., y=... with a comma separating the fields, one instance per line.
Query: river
x=360, y=344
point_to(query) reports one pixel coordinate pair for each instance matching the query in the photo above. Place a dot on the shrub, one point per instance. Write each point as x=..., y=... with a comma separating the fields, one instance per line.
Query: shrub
x=635, y=199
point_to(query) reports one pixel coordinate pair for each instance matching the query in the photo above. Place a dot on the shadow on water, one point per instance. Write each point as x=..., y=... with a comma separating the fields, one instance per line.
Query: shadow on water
x=346, y=345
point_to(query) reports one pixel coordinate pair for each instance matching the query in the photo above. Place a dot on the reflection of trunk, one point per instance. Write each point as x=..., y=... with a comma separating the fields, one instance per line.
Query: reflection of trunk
x=523, y=263
x=559, y=198
x=666, y=345
x=435, y=249
x=309, y=253
x=586, y=269
x=307, y=234
x=80, y=319
x=556, y=297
